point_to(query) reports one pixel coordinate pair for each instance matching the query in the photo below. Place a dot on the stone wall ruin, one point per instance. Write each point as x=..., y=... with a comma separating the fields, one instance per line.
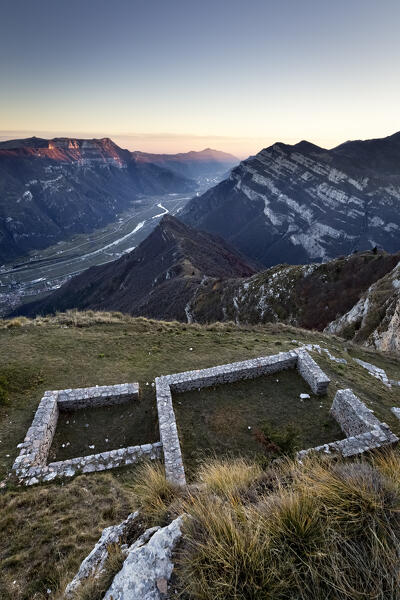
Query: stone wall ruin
x=31, y=466
x=363, y=430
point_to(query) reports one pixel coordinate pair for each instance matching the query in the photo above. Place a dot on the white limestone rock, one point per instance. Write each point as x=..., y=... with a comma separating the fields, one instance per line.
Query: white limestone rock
x=147, y=568
x=92, y=565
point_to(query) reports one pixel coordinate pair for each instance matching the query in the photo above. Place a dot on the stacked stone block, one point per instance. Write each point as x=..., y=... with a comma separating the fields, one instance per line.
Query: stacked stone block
x=168, y=433
x=352, y=414
x=31, y=466
x=363, y=430
x=106, y=395
x=229, y=373
x=311, y=372
x=36, y=445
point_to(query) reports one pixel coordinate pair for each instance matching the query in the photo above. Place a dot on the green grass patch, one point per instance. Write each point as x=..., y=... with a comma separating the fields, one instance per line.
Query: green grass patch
x=94, y=430
x=227, y=420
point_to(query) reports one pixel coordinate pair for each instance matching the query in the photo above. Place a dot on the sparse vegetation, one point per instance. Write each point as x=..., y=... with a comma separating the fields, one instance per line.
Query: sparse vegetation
x=152, y=493
x=228, y=477
x=283, y=440
x=319, y=530
x=45, y=532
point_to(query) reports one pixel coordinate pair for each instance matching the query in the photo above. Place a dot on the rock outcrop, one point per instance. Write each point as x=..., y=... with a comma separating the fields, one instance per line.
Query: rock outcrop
x=93, y=564
x=374, y=320
x=148, y=567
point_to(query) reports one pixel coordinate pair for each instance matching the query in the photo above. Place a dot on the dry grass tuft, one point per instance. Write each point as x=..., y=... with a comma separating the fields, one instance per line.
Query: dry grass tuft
x=229, y=477
x=332, y=533
x=46, y=532
x=16, y=322
x=153, y=494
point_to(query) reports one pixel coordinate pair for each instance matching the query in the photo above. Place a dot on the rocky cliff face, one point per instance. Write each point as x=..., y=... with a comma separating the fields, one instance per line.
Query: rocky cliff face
x=301, y=203
x=374, y=320
x=309, y=296
x=50, y=189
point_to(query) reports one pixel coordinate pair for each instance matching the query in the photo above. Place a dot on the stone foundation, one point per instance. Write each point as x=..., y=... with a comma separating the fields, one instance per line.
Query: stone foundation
x=229, y=373
x=363, y=430
x=31, y=466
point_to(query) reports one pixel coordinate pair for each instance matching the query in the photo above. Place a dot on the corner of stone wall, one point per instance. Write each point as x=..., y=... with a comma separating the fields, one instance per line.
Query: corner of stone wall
x=312, y=373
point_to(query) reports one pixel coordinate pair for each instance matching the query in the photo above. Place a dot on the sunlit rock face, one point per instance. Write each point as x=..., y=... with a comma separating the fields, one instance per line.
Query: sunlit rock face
x=50, y=189
x=301, y=203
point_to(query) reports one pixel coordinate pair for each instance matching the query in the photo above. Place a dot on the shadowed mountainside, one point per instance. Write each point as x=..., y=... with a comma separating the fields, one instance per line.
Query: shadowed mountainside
x=51, y=189
x=300, y=204
x=158, y=278
x=188, y=275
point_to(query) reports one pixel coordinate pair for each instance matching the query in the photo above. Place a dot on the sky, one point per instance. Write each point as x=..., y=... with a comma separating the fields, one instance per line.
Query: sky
x=177, y=75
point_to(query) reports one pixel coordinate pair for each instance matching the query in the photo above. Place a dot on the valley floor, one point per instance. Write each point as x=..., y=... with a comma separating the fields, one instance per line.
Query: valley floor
x=47, y=269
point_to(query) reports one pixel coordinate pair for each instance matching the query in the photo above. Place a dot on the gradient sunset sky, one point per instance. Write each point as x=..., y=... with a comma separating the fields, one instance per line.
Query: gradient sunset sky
x=174, y=75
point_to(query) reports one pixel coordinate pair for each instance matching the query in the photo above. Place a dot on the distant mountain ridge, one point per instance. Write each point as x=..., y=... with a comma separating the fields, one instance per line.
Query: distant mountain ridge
x=302, y=203
x=207, y=163
x=50, y=189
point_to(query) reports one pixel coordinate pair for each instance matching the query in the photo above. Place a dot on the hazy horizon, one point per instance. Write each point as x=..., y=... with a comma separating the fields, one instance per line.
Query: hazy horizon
x=173, y=144
x=176, y=76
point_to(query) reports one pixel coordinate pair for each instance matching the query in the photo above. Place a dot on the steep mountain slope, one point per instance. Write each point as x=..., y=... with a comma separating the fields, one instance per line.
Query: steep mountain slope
x=156, y=279
x=180, y=273
x=302, y=203
x=309, y=296
x=374, y=320
x=207, y=164
x=50, y=189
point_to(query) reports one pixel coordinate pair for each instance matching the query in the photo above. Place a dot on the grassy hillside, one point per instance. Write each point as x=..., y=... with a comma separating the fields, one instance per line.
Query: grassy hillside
x=46, y=531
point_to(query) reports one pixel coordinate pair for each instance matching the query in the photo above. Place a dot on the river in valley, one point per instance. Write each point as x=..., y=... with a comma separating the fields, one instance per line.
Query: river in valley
x=45, y=270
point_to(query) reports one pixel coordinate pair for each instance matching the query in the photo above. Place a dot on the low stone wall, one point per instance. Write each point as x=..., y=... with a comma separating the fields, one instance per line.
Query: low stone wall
x=364, y=431
x=31, y=467
x=36, y=445
x=88, y=464
x=106, y=395
x=222, y=374
x=311, y=372
x=169, y=434
x=352, y=414
x=230, y=373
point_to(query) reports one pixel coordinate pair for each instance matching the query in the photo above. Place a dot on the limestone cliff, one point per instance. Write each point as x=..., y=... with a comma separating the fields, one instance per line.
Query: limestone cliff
x=374, y=320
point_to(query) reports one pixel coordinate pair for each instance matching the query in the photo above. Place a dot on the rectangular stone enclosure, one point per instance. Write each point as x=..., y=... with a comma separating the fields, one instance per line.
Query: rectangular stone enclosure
x=363, y=430
x=31, y=465
x=229, y=373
